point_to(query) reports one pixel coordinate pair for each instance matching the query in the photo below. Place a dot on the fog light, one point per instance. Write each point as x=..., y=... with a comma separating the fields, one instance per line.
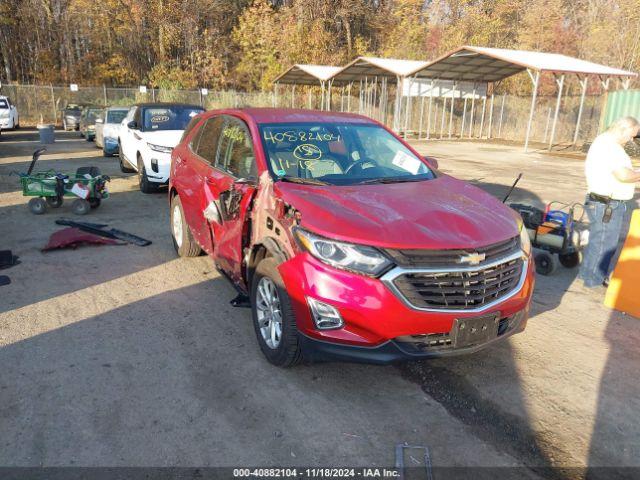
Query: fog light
x=324, y=315
x=154, y=165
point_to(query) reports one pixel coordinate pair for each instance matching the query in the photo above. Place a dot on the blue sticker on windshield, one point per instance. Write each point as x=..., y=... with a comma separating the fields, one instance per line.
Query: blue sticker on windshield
x=281, y=173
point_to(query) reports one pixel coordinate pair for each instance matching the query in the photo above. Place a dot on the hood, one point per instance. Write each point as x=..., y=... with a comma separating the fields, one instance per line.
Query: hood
x=164, y=138
x=434, y=214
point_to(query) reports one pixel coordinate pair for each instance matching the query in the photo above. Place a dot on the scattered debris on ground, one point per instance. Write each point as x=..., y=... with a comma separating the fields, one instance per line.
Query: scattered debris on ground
x=74, y=237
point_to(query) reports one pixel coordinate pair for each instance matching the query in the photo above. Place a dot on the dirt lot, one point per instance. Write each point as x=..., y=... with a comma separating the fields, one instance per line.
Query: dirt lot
x=128, y=356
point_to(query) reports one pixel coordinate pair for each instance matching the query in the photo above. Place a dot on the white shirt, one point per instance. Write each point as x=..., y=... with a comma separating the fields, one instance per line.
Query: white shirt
x=604, y=157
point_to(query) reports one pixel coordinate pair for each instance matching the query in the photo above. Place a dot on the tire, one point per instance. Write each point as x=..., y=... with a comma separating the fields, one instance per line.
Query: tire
x=570, y=260
x=80, y=206
x=546, y=263
x=38, y=206
x=145, y=185
x=93, y=171
x=183, y=241
x=94, y=202
x=54, y=202
x=286, y=352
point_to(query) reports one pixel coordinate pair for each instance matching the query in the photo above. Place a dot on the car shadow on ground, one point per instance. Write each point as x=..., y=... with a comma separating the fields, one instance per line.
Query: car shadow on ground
x=178, y=379
x=499, y=415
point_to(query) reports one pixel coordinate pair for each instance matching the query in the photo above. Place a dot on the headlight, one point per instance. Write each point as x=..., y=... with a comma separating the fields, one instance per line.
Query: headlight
x=4, y=113
x=358, y=258
x=525, y=241
x=159, y=148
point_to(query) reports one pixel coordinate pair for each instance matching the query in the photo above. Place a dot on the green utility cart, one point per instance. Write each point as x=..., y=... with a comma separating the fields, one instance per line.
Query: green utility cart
x=49, y=189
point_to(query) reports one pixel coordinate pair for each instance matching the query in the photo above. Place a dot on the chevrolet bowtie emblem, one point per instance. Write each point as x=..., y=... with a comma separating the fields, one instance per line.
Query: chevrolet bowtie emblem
x=472, y=258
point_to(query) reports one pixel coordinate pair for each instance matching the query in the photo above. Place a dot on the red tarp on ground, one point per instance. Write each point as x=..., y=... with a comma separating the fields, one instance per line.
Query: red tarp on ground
x=73, y=237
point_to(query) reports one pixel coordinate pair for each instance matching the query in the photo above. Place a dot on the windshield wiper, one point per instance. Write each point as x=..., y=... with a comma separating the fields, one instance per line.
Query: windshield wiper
x=304, y=181
x=392, y=180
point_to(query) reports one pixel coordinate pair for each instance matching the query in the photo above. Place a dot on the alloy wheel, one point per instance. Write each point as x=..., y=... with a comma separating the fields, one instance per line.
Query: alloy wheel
x=269, y=312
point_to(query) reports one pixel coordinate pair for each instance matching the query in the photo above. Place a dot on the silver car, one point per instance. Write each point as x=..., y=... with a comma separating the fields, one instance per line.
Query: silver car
x=107, y=126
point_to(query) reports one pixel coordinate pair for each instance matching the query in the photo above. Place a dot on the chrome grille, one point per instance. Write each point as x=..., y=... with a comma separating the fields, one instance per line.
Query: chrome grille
x=448, y=257
x=460, y=288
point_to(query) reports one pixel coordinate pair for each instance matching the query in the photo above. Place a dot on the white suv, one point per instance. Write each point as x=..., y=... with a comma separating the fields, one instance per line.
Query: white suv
x=147, y=137
x=9, y=118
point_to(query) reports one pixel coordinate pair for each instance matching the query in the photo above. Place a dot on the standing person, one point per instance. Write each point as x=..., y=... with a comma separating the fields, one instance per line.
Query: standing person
x=610, y=183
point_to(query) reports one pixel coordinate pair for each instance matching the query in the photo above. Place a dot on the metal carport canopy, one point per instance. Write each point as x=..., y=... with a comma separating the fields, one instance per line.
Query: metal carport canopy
x=303, y=74
x=486, y=65
x=376, y=67
x=483, y=64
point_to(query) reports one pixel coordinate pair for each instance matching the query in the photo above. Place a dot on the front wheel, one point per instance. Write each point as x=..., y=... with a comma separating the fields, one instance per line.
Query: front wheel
x=183, y=240
x=123, y=167
x=80, y=206
x=273, y=318
x=38, y=206
x=146, y=186
x=546, y=263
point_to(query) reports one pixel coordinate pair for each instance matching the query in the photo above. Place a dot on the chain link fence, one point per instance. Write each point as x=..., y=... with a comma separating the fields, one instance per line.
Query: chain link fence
x=500, y=117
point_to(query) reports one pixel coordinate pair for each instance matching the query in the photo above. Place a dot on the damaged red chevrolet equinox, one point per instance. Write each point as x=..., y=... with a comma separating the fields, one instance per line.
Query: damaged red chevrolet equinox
x=346, y=243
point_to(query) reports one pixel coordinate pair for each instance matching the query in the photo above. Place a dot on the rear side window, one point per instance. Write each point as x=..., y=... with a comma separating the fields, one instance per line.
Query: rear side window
x=207, y=144
x=235, y=151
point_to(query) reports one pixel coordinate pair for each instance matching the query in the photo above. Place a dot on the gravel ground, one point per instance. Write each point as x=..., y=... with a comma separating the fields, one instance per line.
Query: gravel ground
x=128, y=356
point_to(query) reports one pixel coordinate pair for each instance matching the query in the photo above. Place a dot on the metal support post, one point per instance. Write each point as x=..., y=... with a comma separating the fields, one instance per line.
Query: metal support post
x=501, y=117
x=560, y=84
x=534, y=96
x=583, y=84
x=453, y=96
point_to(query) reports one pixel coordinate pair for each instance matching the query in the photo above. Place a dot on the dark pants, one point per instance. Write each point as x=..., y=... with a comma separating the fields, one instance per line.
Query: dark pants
x=604, y=241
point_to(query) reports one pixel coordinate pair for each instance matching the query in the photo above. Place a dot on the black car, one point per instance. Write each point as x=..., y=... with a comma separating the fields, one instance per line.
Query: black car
x=71, y=117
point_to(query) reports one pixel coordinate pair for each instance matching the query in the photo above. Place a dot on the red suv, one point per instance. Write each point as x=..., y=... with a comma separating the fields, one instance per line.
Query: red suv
x=346, y=243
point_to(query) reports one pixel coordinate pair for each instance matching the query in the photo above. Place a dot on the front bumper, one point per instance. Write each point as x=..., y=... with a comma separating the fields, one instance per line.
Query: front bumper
x=110, y=145
x=377, y=321
x=394, y=351
x=158, y=166
x=5, y=123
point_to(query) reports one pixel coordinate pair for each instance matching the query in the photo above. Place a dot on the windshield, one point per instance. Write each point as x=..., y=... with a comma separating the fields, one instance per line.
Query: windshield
x=116, y=116
x=169, y=118
x=3, y=103
x=339, y=154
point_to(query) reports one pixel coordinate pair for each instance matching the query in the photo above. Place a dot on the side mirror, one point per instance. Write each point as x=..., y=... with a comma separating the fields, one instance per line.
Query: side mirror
x=132, y=125
x=432, y=161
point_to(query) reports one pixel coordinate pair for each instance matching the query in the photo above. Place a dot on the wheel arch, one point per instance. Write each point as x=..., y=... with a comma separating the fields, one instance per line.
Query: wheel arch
x=265, y=248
